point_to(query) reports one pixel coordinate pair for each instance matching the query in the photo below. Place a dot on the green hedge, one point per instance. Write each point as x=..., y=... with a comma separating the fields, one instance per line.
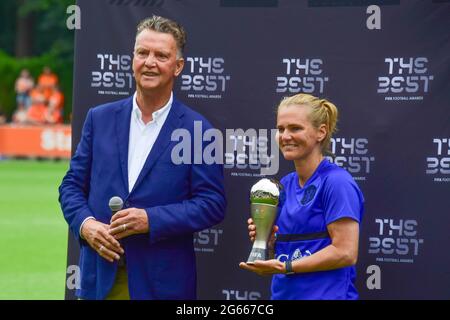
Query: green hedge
x=10, y=68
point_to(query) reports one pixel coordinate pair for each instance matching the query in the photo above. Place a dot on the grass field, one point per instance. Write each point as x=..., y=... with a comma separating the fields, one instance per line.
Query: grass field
x=33, y=232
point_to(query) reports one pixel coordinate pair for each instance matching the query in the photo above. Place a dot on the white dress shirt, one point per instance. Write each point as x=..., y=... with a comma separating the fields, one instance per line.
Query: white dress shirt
x=141, y=140
x=143, y=137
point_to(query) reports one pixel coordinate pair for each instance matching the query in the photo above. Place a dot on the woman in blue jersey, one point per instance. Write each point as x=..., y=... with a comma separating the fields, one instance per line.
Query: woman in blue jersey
x=316, y=234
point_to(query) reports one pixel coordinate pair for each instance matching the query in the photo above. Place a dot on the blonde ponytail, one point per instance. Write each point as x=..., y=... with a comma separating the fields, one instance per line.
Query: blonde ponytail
x=322, y=111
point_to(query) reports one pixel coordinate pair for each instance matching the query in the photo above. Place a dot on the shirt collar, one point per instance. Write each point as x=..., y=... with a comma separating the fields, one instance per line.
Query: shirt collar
x=158, y=116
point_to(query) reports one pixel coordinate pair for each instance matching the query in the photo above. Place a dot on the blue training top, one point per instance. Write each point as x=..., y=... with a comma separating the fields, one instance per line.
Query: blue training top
x=328, y=195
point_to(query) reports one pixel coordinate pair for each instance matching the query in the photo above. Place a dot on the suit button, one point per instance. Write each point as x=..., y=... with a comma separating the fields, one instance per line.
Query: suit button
x=127, y=204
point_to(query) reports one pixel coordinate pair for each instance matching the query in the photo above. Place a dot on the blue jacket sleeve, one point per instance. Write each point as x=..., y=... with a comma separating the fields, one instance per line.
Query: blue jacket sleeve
x=74, y=189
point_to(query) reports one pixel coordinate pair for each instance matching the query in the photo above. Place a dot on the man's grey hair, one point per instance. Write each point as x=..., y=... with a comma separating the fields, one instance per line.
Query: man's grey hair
x=164, y=25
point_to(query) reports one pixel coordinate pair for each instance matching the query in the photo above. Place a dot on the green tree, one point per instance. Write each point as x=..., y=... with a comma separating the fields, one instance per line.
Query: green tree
x=33, y=33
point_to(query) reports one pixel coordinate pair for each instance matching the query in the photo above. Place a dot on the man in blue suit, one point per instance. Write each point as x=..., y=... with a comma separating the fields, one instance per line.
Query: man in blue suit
x=145, y=250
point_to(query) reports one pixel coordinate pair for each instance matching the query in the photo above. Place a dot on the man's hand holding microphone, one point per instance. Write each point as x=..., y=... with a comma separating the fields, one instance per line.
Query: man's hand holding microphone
x=104, y=238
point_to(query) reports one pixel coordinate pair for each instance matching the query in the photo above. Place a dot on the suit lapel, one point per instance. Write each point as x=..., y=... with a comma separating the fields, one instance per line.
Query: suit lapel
x=123, y=116
x=163, y=140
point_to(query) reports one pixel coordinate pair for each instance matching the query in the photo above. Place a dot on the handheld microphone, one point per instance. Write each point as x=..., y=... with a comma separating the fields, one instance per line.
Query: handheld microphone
x=115, y=204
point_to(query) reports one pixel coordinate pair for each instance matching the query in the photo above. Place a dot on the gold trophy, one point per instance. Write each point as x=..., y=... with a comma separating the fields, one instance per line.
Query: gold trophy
x=264, y=199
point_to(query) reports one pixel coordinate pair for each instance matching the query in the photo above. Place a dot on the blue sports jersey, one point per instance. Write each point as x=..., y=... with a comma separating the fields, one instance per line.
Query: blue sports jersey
x=328, y=195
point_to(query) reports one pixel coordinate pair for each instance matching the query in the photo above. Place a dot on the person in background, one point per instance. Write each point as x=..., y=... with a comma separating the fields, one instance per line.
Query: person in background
x=316, y=234
x=56, y=99
x=53, y=114
x=23, y=85
x=47, y=81
x=36, y=114
x=20, y=115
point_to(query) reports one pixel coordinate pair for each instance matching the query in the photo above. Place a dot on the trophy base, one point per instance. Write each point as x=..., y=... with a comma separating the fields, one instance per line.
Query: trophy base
x=257, y=254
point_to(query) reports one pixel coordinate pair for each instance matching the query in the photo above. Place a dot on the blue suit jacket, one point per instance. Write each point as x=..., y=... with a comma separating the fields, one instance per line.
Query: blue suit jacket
x=179, y=200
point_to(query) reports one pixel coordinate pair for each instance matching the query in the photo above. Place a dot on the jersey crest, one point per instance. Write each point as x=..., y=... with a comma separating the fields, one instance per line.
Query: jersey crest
x=308, y=194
